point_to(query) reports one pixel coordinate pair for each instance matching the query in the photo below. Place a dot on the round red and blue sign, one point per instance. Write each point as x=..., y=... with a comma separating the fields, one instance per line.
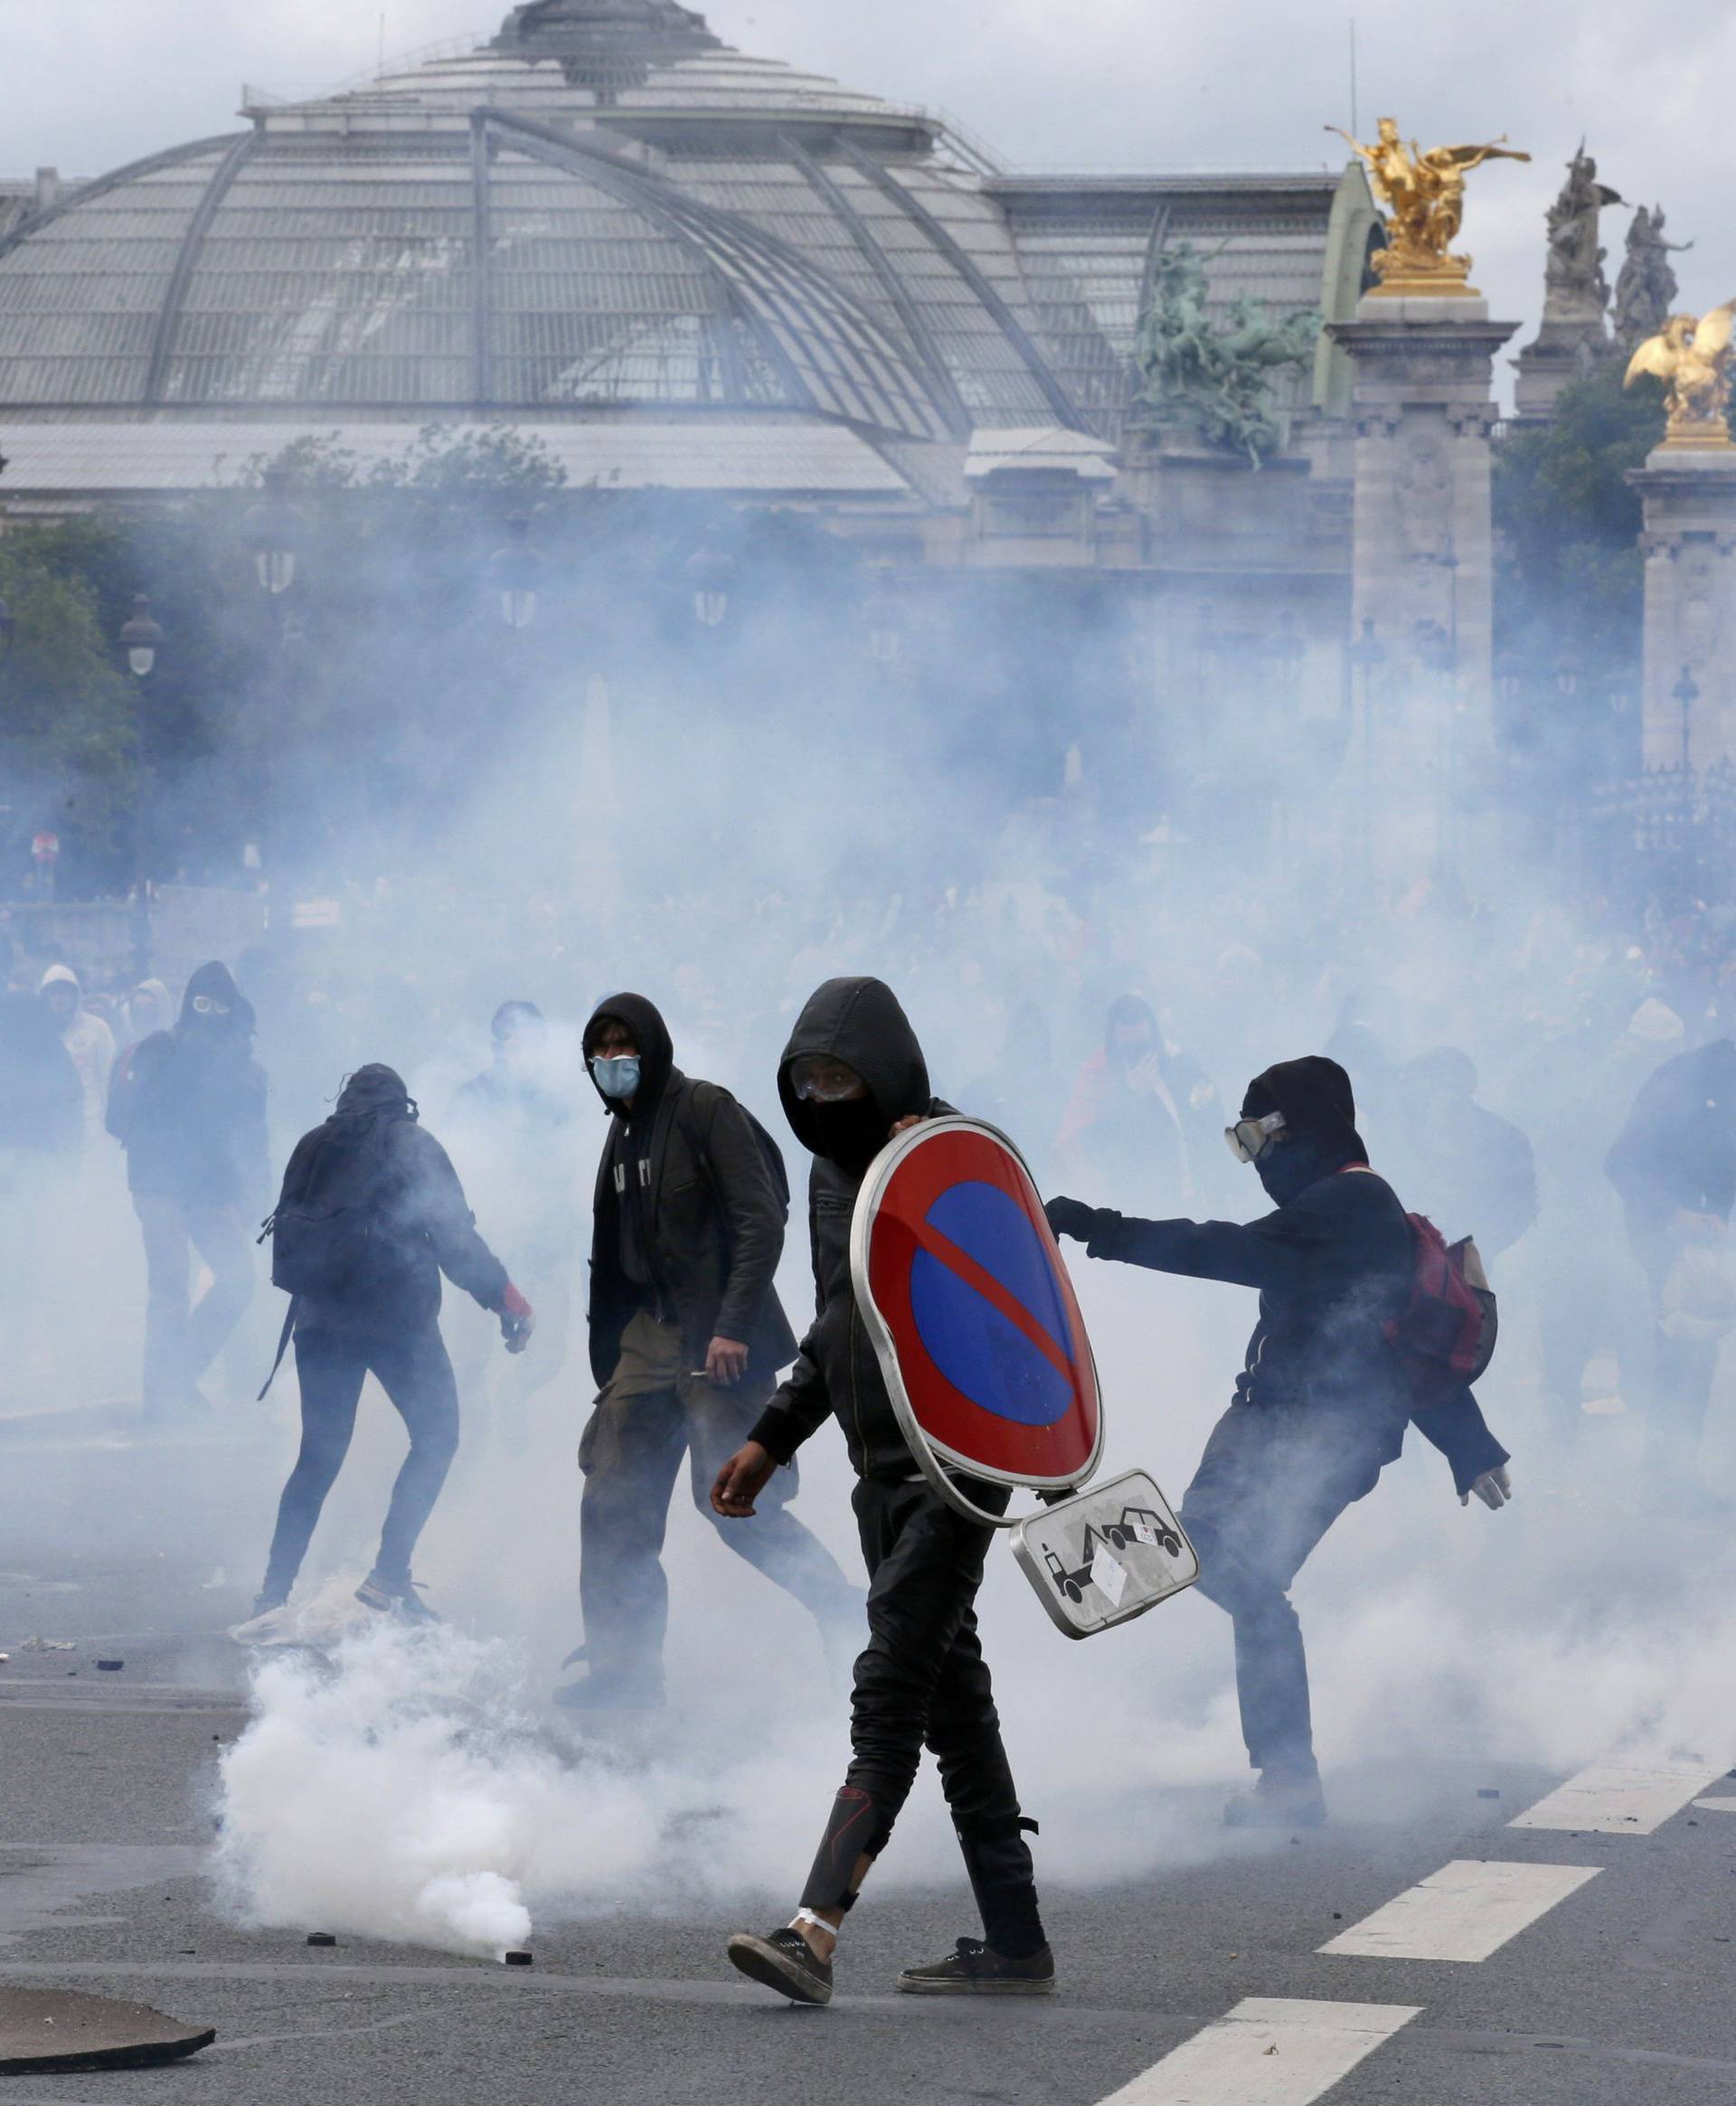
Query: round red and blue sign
x=972, y=1314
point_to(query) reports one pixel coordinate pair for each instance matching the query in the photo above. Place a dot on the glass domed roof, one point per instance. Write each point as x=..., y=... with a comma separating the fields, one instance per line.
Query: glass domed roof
x=603, y=206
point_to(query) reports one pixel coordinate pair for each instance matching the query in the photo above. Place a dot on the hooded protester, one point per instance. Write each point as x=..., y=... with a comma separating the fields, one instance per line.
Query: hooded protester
x=1323, y=1400
x=188, y=1106
x=88, y=1042
x=686, y=1338
x=369, y=1216
x=1141, y=1114
x=1673, y=1166
x=148, y=1008
x=851, y=1076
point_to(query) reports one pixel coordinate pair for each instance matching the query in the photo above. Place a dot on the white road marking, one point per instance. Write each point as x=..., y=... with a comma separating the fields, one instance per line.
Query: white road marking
x=1465, y=1911
x=1610, y=1800
x=1269, y=2051
x=1717, y=1806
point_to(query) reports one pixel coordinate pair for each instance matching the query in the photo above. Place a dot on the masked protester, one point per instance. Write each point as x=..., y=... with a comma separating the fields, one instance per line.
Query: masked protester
x=1674, y=1166
x=686, y=1338
x=1142, y=1115
x=852, y=1075
x=371, y=1214
x=1321, y=1402
x=188, y=1106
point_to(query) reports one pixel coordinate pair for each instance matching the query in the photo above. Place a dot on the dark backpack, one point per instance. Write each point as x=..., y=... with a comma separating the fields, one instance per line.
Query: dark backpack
x=769, y=1149
x=1447, y=1335
x=330, y=1237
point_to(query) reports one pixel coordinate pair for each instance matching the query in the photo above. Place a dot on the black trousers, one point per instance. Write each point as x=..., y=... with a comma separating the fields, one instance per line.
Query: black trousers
x=1269, y=1485
x=415, y=1372
x=922, y=1681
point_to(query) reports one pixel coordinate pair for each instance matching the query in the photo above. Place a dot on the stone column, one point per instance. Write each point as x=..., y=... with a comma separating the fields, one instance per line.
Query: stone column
x=1423, y=561
x=1688, y=489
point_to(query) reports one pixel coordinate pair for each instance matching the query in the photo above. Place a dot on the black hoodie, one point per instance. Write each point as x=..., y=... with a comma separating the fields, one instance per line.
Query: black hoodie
x=188, y=1104
x=688, y=1221
x=860, y=1022
x=414, y=1194
x=1333, y=1265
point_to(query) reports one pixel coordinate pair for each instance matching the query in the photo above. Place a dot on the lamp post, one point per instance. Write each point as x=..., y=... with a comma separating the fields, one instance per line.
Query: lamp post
x=141, y=641
x=275, y=533
x=8, y=627
x=1686, y=692
x=515, y=573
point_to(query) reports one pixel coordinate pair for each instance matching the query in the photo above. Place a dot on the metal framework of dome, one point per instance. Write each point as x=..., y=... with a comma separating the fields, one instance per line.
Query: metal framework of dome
x=605, y=209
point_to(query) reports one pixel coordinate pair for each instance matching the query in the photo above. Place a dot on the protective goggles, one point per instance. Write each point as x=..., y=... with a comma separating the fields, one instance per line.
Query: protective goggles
x=817, y=1079
x=1249, y=1139
x=209, y=1006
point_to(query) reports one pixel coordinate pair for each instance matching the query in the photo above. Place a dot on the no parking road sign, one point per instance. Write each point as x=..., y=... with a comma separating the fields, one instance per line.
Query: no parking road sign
x=972, y=1314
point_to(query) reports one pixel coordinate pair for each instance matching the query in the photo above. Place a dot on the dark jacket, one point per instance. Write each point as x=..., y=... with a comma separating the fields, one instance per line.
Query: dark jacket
x=1333, y=1266
x=1472, y=1172
x=416, y=1200
x=1678, y=1148
x=684, y=1176
x=859, y=1022
x=188, y=1104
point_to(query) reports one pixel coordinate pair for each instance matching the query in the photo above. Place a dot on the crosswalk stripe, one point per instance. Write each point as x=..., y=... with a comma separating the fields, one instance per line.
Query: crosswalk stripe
x=1268, y=2051
x=1717, y=1806
x=1612, y=1799
x=1465, y=1911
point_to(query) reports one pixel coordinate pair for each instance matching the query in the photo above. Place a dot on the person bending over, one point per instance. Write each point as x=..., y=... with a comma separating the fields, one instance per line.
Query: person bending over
x=1321, y=1402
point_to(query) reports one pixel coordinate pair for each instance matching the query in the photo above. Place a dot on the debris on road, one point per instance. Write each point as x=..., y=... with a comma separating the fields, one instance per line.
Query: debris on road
x=48, y=1644
x=43, y=2031
x=110, y=1667
x=521, y=1959
x=321, y=1938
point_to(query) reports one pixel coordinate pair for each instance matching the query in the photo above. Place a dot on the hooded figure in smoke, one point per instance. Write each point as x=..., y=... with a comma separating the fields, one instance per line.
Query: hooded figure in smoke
x=188, y=1106
x=1323, y=1400
x=686, y=1338
x=851, y=1076
x=371, y=1214
x=86, y=1037
x=1141, y=1116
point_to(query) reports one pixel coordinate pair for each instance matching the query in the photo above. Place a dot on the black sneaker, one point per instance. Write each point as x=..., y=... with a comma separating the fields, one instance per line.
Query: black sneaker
x=783, y=1960
x=397, y=1598
x=1280, y=1800
x=971, y=1969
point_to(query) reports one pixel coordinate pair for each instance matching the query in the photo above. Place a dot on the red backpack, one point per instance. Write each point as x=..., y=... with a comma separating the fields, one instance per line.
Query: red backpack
x=1446, y=1336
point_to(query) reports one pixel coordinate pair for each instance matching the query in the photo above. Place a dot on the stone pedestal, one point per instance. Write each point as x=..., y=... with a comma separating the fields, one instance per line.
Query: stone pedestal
x=1424, y=562
x=1562, y=354
x=1689, y=493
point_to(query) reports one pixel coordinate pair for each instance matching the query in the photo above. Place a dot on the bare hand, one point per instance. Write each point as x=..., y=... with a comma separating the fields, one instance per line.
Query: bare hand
x=906, y=1123
x=741, y=1480
x=726, y=1361
x=1494, y=1487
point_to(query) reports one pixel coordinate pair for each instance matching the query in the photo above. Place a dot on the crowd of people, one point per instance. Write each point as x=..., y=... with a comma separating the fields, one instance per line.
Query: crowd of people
x=1568, y=1098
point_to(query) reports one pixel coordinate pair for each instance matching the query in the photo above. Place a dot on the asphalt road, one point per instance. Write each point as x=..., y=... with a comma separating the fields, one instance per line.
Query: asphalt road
x=1620, y=1991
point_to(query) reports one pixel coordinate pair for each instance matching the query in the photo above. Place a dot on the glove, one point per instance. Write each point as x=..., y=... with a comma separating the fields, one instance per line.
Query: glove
x=1071, y=1217
x=1494, y=1487
x=517, y=1319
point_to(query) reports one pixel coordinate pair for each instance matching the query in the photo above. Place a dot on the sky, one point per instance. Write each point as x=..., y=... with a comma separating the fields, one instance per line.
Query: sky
x=1112, y=85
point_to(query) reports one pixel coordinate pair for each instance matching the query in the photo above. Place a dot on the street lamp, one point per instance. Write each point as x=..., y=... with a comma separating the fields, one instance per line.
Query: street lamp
x=8, y=627
x=141, y=639
x=515, y=570
x=711, y=575
x=276, y=532
x=1686, y=692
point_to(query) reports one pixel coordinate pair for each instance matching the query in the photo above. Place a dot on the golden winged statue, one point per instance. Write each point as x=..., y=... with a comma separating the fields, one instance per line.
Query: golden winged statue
x=1424, y=192
x=1690, y=354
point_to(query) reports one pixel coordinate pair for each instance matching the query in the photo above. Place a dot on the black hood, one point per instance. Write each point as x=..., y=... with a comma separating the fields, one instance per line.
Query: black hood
x=375, y=1091
x=1319, y=1110
x=860, y=1023
x=216, y=979
x=650, y=1033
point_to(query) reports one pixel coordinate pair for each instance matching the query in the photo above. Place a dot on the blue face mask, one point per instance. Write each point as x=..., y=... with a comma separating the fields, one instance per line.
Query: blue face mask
x=617, y=1078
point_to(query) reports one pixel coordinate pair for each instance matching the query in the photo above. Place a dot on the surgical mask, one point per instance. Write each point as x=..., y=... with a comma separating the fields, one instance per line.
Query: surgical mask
x=616, y=1078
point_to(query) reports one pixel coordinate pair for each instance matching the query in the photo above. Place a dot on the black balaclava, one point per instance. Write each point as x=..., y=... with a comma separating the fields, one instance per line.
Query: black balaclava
x=1320, y=1134
x=860, y=1022
x=216, y=981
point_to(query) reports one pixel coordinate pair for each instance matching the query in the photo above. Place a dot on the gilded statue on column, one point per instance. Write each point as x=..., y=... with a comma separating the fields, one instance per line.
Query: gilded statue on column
x=1424, y=193
x=1690, y=354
